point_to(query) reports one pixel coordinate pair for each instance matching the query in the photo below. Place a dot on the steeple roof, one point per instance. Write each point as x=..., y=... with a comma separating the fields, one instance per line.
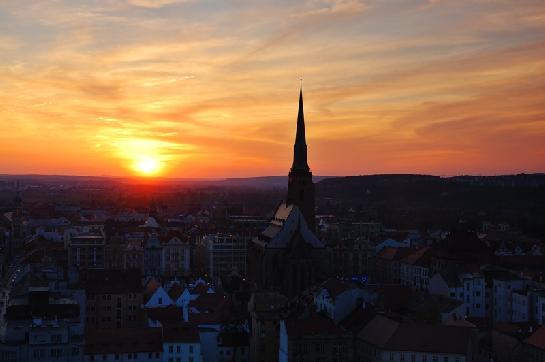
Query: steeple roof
x=300, y=146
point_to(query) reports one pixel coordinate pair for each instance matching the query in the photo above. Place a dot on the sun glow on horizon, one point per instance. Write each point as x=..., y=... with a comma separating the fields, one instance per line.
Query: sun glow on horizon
x=147, y=166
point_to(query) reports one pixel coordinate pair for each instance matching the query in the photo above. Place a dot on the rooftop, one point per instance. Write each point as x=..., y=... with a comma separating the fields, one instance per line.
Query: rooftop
x=122, y=340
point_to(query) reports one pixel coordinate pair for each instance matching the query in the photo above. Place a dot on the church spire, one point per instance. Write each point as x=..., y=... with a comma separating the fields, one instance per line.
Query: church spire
x=300, y=146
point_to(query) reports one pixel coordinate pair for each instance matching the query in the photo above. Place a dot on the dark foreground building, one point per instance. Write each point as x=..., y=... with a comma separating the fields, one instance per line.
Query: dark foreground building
x=286, y=256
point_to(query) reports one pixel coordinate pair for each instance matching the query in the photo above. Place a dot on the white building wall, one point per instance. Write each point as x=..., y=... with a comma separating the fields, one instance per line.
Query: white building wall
x=182, y=352
x=407, y=356
x=502, y=299
x=283, y=350
x=126, y=357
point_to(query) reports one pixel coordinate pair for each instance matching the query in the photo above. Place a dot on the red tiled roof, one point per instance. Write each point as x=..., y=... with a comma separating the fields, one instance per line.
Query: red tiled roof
x=460, y=323
x=358, y=319
x=209, y=301
x=200, y=289
x=175, y=291
x=537, y=339
x=421, y=257
x=185, y=334
x=316, y=324
x=389, y=253
x=430, y=339
x=122, y=340
x=150, y=288
x=167, y=316
x=214, y=308
x=394, y=297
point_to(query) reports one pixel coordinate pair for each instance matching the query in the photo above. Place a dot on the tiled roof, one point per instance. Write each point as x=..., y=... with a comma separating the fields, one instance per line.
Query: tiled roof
x=387, y=253
x=208, y=301
x=537, y=339
x=201, y=288
x=122, y=340
x=185, y=334
x=378, y=331
x=316, y=324
x=150, y=288
x=394, y=297
x=175, y=291
x=391, y=335
x=358, y=319
x=167, y=315
x=460, y=323
x=420, y=257
x=430, y=338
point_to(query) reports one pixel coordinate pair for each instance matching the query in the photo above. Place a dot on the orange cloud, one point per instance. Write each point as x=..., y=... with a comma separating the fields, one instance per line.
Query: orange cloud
x=211, y=91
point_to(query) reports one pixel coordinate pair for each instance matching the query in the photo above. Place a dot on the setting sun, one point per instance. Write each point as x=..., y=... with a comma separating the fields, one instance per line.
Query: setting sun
x=147, y=166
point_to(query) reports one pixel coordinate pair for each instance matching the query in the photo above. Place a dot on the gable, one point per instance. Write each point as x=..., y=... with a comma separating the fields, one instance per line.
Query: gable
x=286, y=227
x=159, y=299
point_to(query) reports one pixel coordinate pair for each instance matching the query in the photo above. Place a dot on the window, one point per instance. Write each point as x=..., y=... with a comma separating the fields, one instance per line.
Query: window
x=445, y=359
x=190, y=349
x=38, y=353
x=160, y=301
x=170, y=349
x=178, y=349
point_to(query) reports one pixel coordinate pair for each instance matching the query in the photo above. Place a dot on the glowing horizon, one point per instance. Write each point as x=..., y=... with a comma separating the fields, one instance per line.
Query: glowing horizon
x=196, y=89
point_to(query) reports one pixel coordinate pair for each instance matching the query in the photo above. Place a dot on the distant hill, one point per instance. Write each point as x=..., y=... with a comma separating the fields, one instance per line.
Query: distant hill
x=262, y=182
x=256, y=182
x=406, y=200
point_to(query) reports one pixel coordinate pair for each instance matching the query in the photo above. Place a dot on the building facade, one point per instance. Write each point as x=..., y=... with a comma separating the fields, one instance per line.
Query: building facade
x=225, y=254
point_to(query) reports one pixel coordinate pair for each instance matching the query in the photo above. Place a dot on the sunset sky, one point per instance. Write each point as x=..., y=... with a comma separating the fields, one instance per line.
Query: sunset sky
x=189, y=88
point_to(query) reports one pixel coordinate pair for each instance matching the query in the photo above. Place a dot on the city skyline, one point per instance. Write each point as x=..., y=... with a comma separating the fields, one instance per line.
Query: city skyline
x=190, y=89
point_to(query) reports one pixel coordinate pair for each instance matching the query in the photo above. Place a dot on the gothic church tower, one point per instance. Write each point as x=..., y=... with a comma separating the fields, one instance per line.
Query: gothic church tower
x=300, y=185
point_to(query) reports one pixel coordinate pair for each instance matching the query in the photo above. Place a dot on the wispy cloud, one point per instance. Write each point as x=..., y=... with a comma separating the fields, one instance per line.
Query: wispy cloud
x=210, y=89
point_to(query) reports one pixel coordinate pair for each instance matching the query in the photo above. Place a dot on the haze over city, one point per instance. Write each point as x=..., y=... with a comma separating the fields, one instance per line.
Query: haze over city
x=182, y=88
